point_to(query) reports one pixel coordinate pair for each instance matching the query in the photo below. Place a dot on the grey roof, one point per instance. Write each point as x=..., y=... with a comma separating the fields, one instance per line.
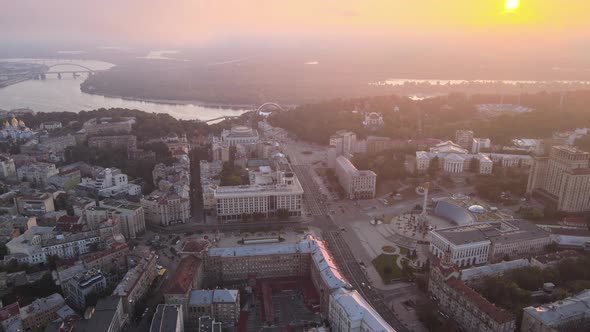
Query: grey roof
x=497, y=232
x=492, y=269
x=225, y=295
x=200, y=297
x=105, y=311
x=165, y=318
x=556, y=313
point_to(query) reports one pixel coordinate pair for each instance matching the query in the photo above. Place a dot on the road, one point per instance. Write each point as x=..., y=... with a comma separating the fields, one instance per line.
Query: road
x=314, y=200
x=353, y=272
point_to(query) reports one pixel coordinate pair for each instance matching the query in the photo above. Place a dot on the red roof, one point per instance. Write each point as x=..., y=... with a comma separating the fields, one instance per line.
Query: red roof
x=9, y=311
x=195, y=245
x=182, y=281
x=497, y=314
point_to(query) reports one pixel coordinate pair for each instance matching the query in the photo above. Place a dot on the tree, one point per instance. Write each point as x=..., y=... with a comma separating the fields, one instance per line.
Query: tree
x=434, y=166
x=474, y=165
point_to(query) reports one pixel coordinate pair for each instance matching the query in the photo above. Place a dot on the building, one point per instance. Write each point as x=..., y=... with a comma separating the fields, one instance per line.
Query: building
x=480, y=243
x=108, y=182
x=35, y=205
x=165, y=208
x=7, y=168
x=107, y=316
x=270, y=194
x=223, y=305
x=476, y=273
x=108, y=126
x=78, y=288
x=373, y=120
x=66, y=179
x=464, y=305
x=41, y=311
x=344, y=141
x=112, y=261
x=552, y=259
x=188, y=275
x=480, y=143
x=113, y=142
x=37, y=173
x=137, y=281
x=15, y=129
x=168, y=318
x=239, y=135
x=570, y=314
x=131, y=216
x=349, y=312
x=50, y=125
x=453, y=158
x=357, y=184
x=562, y=180
x=464, y=138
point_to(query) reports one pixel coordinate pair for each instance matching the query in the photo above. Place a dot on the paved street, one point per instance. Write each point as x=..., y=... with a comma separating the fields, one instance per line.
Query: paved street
x=314, y=200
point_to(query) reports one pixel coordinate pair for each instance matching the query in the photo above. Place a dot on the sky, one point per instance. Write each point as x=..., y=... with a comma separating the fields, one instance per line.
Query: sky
x=197, y=22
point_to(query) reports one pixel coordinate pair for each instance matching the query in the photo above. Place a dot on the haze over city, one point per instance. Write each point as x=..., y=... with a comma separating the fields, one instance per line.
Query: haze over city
x=263, y=165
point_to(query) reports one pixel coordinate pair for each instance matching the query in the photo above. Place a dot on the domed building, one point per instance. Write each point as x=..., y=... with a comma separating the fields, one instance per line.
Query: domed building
x=15, y=129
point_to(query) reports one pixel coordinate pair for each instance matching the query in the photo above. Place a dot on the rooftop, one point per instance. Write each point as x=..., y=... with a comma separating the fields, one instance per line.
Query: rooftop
x=183, y=277
x=492, y=269
x=165, y=318
x=497, y=314
x=555, y=313
x=357, y=309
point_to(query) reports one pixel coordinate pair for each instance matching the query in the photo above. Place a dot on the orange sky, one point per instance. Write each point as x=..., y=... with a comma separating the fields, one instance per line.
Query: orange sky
x=195, y=21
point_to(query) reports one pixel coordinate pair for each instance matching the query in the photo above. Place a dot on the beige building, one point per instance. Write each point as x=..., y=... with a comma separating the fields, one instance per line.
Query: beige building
x=35, y=204
x=570, y=314
x=37, y=173
x=137, y=281
x=563, y=179
x=464, y=305
x=41, y=311
x=166, y=208
x=131, y=216
x=223, y=305
x=357, y=184
x=344, y=141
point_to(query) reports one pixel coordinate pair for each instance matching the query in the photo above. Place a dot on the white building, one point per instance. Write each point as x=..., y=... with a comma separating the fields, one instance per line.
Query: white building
x=107, y=183
x=480, y=143
x=349, y=312
x=357, y=184
x=166, y=208
x=272, y=194
x=131, y=216
x=239, y=135
x=373, y=120
x=50, y=125
x=452, y=159
x=344, y=141
x=7, y=168
x=36, y=172
x=484, y=242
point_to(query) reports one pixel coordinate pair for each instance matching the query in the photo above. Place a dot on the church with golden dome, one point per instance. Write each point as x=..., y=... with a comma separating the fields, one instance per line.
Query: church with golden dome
x=15, y=129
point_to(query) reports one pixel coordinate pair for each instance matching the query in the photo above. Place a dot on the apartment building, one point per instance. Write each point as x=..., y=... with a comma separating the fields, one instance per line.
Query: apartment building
x=37, y=172
x=113, y=142
x=570, y=314
x=79, y=287
x=35, y=204
x=188, y=275
x=349, y=312
x=165, y=208
x=464, y=305
x=357, y=184
x=131, y=216
x=464, y=138
x=41, y=311
x=223, y=305
x=138, y=280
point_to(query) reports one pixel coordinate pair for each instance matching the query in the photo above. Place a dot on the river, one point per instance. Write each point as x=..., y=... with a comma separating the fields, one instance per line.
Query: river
x=56, y=95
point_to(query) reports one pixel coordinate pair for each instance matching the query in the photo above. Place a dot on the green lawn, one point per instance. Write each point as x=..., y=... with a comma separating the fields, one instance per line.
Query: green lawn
x=404, y=251
x=387, y=267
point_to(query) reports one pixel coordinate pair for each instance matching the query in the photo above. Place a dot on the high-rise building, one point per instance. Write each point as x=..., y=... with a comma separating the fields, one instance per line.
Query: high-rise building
x=562, y=179
x=464, y=138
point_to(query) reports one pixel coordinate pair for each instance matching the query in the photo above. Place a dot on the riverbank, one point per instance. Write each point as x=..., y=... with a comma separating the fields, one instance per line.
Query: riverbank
x=175, y=102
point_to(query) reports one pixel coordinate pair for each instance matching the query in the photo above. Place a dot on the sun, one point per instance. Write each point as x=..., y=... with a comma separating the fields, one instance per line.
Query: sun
x=511, y=4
